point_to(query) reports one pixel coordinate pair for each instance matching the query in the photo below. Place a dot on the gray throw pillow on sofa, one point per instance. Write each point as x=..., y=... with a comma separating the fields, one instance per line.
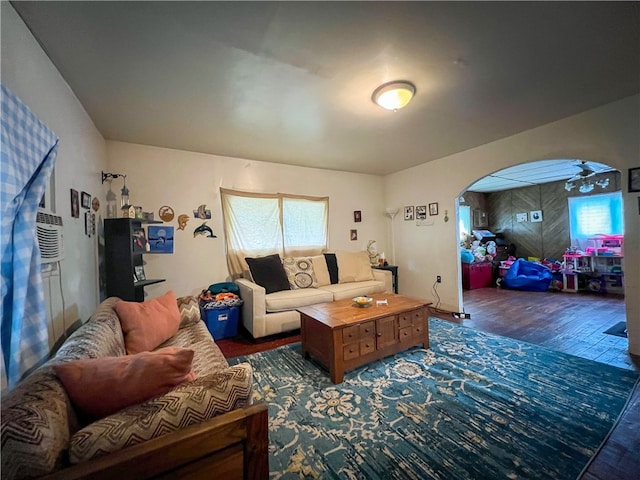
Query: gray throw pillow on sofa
x=269, y=273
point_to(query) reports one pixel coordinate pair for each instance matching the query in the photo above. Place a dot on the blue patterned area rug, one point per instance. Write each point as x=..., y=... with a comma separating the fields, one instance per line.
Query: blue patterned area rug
x=473, y=406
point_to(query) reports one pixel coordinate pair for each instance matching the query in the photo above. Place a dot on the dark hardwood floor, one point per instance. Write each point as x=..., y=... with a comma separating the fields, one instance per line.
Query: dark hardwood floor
x=572, y=323
x=566, y=322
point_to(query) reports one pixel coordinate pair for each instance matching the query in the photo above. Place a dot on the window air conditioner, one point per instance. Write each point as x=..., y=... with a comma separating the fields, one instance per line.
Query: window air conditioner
x=49, y=233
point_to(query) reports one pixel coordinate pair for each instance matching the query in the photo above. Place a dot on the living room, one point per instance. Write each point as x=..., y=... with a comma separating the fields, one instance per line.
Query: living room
x=183, y=179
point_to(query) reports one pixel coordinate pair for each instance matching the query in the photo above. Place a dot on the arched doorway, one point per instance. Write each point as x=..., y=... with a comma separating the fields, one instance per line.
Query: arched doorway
x=526, y=211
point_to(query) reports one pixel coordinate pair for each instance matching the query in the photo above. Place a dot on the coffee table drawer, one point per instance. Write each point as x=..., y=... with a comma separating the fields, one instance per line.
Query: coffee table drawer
x=411, y=318
x=355, y=333
x=354, y=350
x=351, y=351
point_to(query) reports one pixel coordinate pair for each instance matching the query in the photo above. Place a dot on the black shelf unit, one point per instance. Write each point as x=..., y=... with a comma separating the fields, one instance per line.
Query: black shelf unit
x=121, y=258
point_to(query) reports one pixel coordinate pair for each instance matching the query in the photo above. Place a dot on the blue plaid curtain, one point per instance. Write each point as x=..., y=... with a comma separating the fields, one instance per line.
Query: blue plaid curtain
x=27, y=156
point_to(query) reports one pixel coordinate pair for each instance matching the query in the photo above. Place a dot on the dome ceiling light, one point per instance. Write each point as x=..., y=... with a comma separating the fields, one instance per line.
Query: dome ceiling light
x=394, y=95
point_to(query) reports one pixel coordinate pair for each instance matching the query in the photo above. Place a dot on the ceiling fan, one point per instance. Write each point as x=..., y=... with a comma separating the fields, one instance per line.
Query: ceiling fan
x=585, y=186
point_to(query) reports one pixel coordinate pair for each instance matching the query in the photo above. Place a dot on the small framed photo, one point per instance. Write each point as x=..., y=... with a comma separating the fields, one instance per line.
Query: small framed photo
x=535, y=215
x=408, y=212
x=421, y=212
x=634, y=179
x=139, y=272
x=85, y=200
x=357, y=216
x=433, y=209
x=87, y=224
x=353, y=235
x=75, y=204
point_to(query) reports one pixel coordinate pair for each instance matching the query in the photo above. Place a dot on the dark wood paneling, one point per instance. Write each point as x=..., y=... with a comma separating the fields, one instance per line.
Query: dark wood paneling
x=549, y=238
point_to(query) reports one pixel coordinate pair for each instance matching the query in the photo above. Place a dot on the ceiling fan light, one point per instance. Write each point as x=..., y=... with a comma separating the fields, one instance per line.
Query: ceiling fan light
x=394, y=95
x=586, y=187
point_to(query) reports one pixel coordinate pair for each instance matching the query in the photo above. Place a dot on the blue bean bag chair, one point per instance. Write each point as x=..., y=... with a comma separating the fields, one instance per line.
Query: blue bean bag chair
x=528, y=276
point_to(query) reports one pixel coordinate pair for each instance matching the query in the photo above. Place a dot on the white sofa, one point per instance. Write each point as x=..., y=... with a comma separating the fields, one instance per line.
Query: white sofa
x=268, y=314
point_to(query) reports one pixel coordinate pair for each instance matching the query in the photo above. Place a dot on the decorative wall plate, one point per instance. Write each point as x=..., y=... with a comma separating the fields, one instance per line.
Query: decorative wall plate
x=166, y=213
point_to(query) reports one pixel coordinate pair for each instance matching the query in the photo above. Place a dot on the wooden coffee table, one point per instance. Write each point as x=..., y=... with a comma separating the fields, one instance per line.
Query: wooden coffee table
x=342, y=336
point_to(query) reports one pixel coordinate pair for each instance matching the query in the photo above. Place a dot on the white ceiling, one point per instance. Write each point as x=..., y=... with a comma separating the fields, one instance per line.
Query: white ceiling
x=291, y=82
x=533, y=173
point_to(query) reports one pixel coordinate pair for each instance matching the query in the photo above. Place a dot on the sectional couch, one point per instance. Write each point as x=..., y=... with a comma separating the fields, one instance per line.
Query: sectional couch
x=198, y=428
x=270, y=302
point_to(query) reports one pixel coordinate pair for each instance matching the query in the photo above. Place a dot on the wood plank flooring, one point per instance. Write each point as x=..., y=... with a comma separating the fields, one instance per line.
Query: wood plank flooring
x=566, y=322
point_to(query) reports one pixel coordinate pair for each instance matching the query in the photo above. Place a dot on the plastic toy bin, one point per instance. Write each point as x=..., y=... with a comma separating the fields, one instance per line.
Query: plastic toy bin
x=221, y=322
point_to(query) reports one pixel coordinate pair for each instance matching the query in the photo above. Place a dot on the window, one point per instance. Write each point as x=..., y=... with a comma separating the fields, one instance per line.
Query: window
x=464, y=213
x=593, y=215
x=258, y=224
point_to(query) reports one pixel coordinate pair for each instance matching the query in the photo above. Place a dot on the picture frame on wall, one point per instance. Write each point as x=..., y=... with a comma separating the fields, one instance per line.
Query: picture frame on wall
x=139, y=272
x=535, y=215
x=433, y=208
x=421, y=212
x=353, y=235
x=75, y=204
x=87, y=224
x=85, y=200
x=160, y=239
x=481, y=219
x=634, y=179
x=357, y=216
x=408, y=212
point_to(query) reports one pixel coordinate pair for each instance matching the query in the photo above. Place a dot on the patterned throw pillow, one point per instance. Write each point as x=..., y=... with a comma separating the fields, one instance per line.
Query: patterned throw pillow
x=300, y=272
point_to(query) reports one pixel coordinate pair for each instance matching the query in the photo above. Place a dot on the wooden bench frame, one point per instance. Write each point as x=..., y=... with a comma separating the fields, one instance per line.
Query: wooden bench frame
x=234, y=445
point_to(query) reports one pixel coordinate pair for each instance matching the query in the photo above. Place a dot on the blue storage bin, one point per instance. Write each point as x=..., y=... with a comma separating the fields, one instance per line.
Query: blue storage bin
x=221, y=322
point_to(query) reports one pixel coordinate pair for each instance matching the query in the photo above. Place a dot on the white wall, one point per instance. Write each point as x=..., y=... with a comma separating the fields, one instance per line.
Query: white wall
x=184, y=180
x=28, y=73
x=608, y=134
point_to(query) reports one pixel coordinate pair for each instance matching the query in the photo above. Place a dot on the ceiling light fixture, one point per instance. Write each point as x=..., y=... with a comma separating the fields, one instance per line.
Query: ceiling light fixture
x=394, y=95
x=582, y=180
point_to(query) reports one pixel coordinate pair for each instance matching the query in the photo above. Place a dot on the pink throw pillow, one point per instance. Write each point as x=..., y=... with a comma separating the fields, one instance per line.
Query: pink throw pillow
x=148, y=324
x=101, y=386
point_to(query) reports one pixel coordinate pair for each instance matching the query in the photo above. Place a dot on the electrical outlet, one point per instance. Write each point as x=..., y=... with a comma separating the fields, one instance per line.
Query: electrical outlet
x=461, y=315
x=438, y=279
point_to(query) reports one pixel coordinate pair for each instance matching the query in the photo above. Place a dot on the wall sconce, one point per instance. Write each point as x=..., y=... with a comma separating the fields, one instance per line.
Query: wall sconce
x=124, y=194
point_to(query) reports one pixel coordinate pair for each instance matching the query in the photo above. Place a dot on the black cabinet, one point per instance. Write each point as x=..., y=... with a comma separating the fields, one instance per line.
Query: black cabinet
x=122, y=255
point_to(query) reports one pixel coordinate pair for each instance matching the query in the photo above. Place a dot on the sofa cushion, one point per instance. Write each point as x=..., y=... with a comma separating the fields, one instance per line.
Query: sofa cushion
x=189, y=309
x=185, y=405
x=292, y=299
x=356, y=289
x=332, y=266
x=147, y=324
x=101, y=336
x=207, y=356
x=321, y=270
x=268, y=272
x=36, y=426
x=353, y=267
x=300, y=272
x=101, y=386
